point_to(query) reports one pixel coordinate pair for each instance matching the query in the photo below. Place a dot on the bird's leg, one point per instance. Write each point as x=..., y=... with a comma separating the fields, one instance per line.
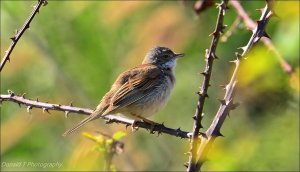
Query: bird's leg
x=133, y=126
x=152, y=123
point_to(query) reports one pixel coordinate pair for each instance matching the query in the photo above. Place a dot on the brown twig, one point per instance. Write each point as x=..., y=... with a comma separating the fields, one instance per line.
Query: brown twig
x=232, y=29
x=227, y=103
x=251, y=25
x=19, y=33
x=21, y=100
x=210, y=57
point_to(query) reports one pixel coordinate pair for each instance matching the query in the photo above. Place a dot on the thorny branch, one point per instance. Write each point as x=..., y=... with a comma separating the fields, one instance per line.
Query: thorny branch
x=19, y=33
x=209, y=57
x=227, y=103
x=251, y=25
x=21, y=100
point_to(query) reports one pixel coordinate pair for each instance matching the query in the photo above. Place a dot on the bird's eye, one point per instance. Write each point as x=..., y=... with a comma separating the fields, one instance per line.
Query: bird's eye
x=165, y=56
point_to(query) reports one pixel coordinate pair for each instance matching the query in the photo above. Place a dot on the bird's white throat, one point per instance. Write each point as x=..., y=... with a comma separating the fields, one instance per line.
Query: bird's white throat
x=169, y=64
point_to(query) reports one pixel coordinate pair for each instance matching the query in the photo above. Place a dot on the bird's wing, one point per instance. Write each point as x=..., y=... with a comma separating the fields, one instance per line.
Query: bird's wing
x=139, y=83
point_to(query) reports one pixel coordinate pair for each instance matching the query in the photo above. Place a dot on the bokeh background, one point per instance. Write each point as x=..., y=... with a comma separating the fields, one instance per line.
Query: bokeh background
x=74, y=50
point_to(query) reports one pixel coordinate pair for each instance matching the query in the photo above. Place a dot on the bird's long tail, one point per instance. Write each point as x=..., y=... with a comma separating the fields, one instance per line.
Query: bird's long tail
x=94, y=115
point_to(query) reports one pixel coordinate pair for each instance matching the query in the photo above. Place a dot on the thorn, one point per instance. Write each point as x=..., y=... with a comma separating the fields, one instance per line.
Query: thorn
x=13, y=38
x=273, y=14
x=11, y=93
x=127, y=125
x=215, y=56
x=158, y=133
x=16, y=31
x=29, y=108
x=234, y=106
x=67, y=113
x=223, y=87
x=259, y=23
x=222, y=101
x=108, y=121
x=46, y=110
x=178, y=130
x=214, y=33
x=37, y=99
x=204, y=73
x=45, y=3
x=238, y=55
x=27, y=26
x=203, y=135
x=194, y=117
x=23, y=95
x=260, y=9
x=243, y=48
x=217, y=133
x=71, y=104
x=266, y=35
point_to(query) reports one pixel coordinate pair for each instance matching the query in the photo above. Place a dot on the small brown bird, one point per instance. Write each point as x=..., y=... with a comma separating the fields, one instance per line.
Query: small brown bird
x=141, y=91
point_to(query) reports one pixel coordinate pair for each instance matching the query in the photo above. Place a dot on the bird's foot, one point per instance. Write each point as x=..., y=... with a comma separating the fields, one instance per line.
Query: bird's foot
x=152, y=123
x=134, y=127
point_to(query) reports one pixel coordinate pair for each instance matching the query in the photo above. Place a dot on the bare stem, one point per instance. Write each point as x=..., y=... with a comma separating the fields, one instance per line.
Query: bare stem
x=210, y=57
x=227, y=103
x=251, y=25
x=21, y=100
x=19, y=33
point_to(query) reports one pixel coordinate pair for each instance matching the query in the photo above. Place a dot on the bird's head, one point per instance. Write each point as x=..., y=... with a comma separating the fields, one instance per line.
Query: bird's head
x=162, y=57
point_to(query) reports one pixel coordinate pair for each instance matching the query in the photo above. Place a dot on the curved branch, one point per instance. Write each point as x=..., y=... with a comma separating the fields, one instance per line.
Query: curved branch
x=19, y=34
x=210, y=57
x=227, y=103
x=21, y=100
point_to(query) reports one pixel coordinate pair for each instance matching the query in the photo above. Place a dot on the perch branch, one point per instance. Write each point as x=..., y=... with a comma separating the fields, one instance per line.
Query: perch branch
x=251, y=25
x=21, y=100
x=227, y=103
x=209, y=57
x=19, y=33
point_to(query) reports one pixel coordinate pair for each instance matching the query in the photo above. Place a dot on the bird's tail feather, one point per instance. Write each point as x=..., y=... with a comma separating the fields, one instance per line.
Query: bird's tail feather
x=93, y=116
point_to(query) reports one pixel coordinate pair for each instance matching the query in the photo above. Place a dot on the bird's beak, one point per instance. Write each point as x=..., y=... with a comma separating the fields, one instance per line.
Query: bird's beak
x=179, y=55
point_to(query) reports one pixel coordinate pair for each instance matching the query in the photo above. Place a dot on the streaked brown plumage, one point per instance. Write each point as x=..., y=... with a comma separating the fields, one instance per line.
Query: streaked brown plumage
x=141, y=91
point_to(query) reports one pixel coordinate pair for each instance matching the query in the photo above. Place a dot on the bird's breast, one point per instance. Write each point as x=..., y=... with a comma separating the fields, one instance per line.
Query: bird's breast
x=156, y=99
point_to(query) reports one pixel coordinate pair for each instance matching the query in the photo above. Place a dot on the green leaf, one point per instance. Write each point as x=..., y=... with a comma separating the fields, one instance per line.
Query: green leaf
x=118, y=135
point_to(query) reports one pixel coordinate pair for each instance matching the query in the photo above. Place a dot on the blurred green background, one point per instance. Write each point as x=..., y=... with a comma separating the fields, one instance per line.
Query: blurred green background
x=74, y=50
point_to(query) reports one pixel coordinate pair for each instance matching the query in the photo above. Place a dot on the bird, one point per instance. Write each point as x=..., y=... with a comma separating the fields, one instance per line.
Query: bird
x=141, y=91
